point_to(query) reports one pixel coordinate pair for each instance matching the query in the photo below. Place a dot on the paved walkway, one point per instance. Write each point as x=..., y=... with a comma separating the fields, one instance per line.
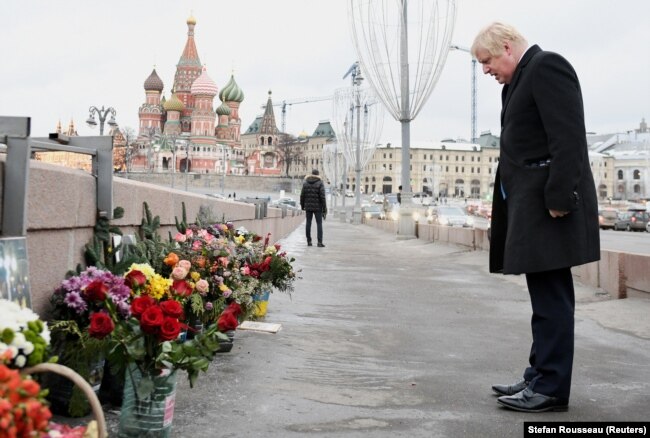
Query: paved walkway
x=386, y=338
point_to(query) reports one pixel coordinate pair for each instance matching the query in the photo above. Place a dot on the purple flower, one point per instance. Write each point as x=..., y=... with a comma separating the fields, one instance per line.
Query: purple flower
x=209, y=306
x=75, y=302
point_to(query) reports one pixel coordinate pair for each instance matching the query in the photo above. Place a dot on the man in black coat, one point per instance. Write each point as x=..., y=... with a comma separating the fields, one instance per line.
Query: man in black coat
x=312, y=200
x=545, y=210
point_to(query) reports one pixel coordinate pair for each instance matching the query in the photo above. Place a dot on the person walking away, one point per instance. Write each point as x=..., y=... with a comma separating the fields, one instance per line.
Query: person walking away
x=545, y=209
x=312, y=201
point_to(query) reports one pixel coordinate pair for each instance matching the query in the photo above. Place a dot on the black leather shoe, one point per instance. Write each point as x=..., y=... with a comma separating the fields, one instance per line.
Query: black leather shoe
x=320, y=245
x=308, y=243
x=529, y=401
x=510, y=389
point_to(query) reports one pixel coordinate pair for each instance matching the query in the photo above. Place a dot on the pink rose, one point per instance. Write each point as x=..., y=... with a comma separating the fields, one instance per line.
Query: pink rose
x=180, y=238
x=202, y=286
x=224, y=261
x=179, y=273
x=185, y=264
x=246, y=270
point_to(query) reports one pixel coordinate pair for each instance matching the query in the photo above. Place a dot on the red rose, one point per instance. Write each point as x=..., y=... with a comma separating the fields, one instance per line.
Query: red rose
x=169, y=329
x=96, y=291
x=101, y=325
x=172, y=308
x=151, y=320
x=135, y=279
x=227, y=321
x=182, y=288
x=234, y=308
x=140, y=304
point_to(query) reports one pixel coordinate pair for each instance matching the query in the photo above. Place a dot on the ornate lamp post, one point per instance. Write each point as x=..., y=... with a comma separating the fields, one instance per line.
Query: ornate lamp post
x=101, y=113
x=333, y=164
x=358, y=121
x=403, y=67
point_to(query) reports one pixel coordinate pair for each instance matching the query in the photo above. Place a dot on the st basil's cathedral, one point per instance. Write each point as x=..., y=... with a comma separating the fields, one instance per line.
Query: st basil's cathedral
x=184, y=132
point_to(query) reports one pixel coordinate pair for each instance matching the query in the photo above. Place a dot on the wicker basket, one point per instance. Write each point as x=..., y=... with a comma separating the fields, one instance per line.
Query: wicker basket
x=83, y=386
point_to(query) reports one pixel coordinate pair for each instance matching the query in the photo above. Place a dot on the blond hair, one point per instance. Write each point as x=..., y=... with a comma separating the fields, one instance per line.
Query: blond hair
x=493, y=36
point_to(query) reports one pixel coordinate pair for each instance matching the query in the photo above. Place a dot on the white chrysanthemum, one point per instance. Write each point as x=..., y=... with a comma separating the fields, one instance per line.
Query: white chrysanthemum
x=28, y=348
x=19, y=340
x=20, y=361
x=45, y=334
x=270, y=250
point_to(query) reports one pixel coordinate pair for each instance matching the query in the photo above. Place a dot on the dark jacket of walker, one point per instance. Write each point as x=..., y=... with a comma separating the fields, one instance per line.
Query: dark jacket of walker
x=312, y=196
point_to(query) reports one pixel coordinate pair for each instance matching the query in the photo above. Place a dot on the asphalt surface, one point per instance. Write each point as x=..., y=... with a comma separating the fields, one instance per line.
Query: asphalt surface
x=388, y=338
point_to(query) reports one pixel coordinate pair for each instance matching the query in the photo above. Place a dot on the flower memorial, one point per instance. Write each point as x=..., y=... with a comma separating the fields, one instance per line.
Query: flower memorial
x=24, y=338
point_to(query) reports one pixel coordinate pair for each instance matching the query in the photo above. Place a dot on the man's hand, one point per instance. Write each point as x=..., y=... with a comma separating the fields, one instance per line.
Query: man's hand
x=558, y=213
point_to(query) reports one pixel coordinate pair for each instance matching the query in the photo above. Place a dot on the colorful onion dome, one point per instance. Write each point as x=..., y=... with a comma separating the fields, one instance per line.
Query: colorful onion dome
x=191, y=20
x=204, y=85
x=174, y=104
x=153, y=82
x=223, y=110
x=231, y=92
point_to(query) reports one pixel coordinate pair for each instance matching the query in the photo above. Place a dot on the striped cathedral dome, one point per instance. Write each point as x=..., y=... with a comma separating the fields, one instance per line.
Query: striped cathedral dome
x=231, y=92
x=174, y=104
x=223, y=110
x=204, y=85
x=153, y=82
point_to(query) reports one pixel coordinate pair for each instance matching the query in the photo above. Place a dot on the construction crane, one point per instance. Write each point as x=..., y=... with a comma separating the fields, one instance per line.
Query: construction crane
x=286, y=103
x=467, y=50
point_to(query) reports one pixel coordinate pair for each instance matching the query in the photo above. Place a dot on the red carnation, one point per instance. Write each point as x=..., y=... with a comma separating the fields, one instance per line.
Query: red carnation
x=101, y=325
x=135, y=279
x=227, y=321
x=182, y=288
x=172, y=308
x=151, y=320
x=96, y=291
x=140, y=304
x=169, y=329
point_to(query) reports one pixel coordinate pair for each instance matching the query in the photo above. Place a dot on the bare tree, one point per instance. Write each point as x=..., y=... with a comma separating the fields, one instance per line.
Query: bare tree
x=129, y=138
x=291, y=150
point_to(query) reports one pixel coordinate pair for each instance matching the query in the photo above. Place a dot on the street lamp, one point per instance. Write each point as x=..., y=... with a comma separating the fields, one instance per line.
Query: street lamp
x=101, y=113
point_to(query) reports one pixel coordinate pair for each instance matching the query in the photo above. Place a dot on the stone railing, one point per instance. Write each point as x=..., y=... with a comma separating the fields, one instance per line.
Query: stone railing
x=620, y=274
x=61, y=214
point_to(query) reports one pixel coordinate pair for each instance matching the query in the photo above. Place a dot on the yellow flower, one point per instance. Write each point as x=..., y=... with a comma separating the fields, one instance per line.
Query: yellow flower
x=223, y=287
x=240, y=239
x=158, y=286
x=195, y=276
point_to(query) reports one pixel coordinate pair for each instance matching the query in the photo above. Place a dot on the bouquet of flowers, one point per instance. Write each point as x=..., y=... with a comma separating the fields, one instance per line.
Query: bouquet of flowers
x=23, y=412
x=24, y=338
x=215, y=255
x=271, y=266
x=149, y=337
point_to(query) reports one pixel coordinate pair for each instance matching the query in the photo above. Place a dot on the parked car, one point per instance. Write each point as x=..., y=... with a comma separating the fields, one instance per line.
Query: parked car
x=285, y=201
x=623, y=222
x=374, y=211
x=377, y=198
x=421, y=198
x=639, y=219
x=349, y=194
x=607, y=218
x=392, y=198
x=452, y=216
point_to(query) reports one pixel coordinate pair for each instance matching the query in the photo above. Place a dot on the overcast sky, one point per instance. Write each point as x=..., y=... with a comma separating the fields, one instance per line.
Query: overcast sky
x=61, y=57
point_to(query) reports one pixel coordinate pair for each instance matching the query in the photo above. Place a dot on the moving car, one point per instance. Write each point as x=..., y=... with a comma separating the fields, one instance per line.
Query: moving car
x=607, y=218
x=452, y=216
x=421, y=199
x=622, y=222
x=374, y=211
x=638, y=220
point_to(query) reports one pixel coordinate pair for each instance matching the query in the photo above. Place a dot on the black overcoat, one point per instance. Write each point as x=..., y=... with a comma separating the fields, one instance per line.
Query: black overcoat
x=543, y=164
x=312, y=195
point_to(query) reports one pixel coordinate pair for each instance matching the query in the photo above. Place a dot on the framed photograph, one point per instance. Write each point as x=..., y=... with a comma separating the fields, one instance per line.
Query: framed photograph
x=14, y=271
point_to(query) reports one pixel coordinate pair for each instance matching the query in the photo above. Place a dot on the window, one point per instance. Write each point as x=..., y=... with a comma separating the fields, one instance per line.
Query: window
x=446, y=168
x=390, y=167
x=390, y=155
x=478, y=159
x=620, y=174
x=637, y=175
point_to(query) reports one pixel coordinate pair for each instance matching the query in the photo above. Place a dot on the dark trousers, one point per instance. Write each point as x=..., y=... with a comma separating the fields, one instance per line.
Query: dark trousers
x=551, y=354
x=319, y=225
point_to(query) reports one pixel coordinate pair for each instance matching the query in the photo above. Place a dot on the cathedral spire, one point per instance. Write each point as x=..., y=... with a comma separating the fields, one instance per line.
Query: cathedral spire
x=268, y=125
